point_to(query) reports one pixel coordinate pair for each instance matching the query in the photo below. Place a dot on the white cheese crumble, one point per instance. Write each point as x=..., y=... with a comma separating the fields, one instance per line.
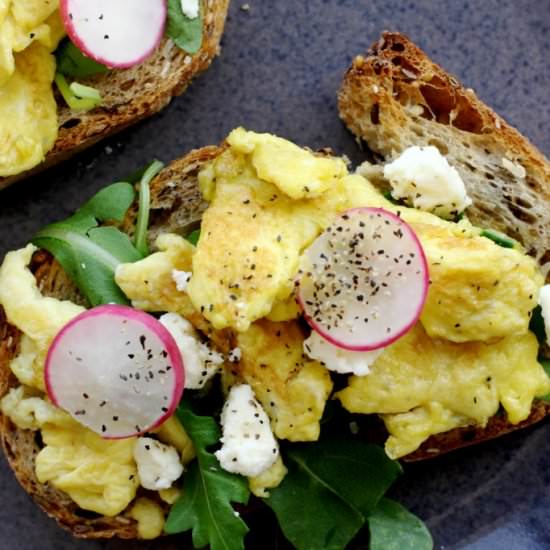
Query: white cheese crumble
x=181, y=278
x=338, y=359
x=199, y=361
x=158, y=464
x=544, y=302
x=190, y=8
x=249, y=447
x=235, y=355
x=423, y=177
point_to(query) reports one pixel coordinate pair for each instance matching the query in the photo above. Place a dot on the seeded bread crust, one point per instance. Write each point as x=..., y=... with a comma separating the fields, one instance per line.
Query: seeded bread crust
x=130, y=95
x=395, y=97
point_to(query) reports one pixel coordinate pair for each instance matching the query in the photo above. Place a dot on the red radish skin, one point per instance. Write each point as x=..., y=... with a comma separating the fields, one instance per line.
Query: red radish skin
x=139, y=31
x=97, y=340
x=409, y=264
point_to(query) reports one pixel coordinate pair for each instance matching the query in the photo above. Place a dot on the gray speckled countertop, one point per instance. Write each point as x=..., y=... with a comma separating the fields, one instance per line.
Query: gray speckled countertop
x=280, y=68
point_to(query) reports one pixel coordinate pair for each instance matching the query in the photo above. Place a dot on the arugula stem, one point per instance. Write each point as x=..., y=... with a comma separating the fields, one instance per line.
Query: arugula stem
x=142, y=223
x=88, y=101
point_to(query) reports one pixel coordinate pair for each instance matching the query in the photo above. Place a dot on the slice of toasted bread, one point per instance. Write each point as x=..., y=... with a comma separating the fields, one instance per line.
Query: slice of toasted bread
x=395, y=97
x=176, y=205
x=131, y=95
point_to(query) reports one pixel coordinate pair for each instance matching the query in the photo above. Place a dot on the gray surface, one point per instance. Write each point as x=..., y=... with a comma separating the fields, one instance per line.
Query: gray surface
x=281, y=66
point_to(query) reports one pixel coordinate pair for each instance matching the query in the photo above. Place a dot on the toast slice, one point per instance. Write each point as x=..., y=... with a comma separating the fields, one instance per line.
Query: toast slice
x=130, y=95
x=176, y=206
x=395, y=97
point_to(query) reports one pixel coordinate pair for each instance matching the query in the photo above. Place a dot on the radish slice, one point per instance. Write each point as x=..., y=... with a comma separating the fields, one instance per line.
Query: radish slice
x=116, y=33
x=116, y=370
x=364, y=281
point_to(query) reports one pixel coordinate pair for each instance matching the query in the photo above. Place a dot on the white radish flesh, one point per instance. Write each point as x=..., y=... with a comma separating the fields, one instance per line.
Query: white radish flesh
x=116, y=370
x=116, y=33
x=364, y=280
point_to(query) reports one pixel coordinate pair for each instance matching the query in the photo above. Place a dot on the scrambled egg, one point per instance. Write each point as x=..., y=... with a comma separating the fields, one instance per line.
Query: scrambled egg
x=29, y=31
x=445, y=385
x=269, y=479
x=98, y=474
x=39, y=318
x=262, y=228
x=149, y=516
x=291, y=388
x=479, y=290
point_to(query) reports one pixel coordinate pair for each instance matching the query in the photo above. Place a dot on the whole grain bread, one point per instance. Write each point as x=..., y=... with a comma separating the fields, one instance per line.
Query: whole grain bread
x=395, y=97
x=130, y=95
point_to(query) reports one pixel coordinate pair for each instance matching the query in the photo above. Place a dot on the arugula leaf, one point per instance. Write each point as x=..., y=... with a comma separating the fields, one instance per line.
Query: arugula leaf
x=546, y=366
x=205, y=503
x=536, y=325
x=72, y=62
x=90, y=254
x=339, y=483
x=392, y=527
x=193, y=237
x=185, y=32
x=142, y=223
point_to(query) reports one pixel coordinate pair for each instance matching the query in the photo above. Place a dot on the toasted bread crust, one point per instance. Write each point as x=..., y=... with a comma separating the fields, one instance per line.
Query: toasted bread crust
x=396, y=96
x=130, y=95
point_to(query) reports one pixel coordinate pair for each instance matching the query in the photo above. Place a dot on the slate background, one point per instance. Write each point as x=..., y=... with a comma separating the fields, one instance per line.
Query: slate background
x=280, y=68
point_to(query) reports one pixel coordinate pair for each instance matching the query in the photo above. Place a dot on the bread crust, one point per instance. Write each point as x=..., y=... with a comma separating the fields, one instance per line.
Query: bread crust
x=396, y=96
x=130, y=95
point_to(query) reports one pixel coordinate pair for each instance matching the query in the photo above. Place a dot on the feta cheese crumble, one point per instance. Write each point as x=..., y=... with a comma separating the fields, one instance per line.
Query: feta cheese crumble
x=423, y=177
x=249, y=447
x=158, y=464
x=199, y=361
x=181, y=278
x=235, y=355
x=190, y=8
x=544, y=302
x=338, y=359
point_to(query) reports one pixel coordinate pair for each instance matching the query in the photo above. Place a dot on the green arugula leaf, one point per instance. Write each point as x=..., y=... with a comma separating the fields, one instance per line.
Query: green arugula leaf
x=546, y=366
x=142, y=223
x=205, y=503
x=339, y=483
x=392, y=527
x=498, y=238
x=72, y=62
x=90, y=254
x=536, y=325
x=185, y=32
x=89, y=98
x=193, y=237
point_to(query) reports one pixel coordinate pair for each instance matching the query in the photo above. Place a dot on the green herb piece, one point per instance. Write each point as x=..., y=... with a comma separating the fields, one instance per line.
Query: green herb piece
x=546, y=366
x=85, y=92
x=499, y=238
x=536, y=325
x=90, y=254
x=194, y=236
x=144, y=206
x=392, y=527
x=388, y=196
x=208, y=491
x=185, y=32
x=339, y=483
x=75, y=102
x=72, y=62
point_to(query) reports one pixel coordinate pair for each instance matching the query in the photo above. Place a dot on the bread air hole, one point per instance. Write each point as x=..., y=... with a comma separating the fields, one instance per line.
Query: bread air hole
x=442, y=147
x=86, y=514
x=375, y=114
x=71, y=123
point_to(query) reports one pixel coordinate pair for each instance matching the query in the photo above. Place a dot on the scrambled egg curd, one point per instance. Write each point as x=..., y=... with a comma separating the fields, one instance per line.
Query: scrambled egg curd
x=30, y=30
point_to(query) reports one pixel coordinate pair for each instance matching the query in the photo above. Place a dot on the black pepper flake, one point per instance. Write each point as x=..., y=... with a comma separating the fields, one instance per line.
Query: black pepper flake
x=103, y=428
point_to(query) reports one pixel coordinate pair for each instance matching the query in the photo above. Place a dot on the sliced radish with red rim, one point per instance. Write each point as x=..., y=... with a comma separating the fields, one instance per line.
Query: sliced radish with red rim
x=116, y=33
x=116, y=370
x=364, y=280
